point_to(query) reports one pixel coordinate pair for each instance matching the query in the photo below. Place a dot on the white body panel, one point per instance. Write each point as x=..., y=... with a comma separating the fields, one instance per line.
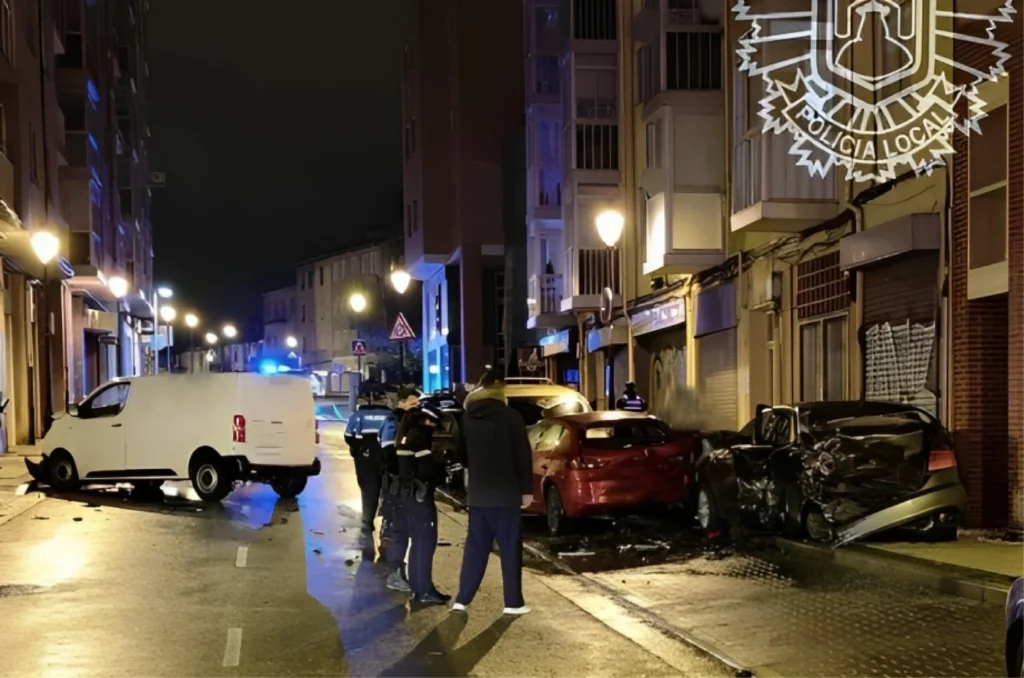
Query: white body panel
x=166, y=418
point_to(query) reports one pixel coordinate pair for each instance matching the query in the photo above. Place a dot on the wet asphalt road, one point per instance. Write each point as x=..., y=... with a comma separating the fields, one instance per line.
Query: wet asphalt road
x=103, y=584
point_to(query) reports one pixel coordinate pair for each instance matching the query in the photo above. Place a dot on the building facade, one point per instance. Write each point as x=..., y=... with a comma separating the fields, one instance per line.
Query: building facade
x=458, y=110
x=747, y=280
x=63, y=66
x=280, y=315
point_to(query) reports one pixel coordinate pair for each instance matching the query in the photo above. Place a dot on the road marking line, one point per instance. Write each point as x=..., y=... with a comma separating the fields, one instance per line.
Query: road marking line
x=233, y=651
x=242, y=557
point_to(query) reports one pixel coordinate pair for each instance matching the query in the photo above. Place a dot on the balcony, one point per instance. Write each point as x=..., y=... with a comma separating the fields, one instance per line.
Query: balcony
x=772, y=194
x=593, y=152
x=71, y=77
x=594, y=21
x=591, y=270
x=544, y=302
x=688, y=238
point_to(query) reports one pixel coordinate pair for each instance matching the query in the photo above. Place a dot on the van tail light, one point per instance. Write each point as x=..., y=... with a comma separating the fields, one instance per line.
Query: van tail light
x=238, y=429
x=316, y=425
x=941, y=459
x=582, y=463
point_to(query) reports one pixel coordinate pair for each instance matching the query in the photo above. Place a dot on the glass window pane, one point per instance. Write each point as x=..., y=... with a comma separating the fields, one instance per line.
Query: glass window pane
x=834, y=381
x=809, y=362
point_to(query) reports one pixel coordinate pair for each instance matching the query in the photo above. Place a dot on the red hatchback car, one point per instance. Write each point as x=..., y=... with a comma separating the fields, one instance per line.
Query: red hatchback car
x=601, y=462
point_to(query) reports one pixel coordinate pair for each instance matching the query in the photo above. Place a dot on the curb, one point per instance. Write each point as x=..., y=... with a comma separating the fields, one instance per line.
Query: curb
x=963, y=582
x=636, y=610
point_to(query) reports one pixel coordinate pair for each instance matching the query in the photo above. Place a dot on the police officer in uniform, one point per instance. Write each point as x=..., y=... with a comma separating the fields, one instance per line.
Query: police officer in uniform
x=419, y=476
x=363, y=434
x=631, y=401
x=394, y=535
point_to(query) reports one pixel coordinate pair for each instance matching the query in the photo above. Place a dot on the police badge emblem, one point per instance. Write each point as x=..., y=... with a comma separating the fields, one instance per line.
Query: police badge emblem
x=869, y=85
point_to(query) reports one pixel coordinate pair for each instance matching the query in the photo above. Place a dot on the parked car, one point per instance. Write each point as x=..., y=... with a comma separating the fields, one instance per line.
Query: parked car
x=446, y=437
x=1015, y=630
x=537, y=399
x=212, y=429
x=835, y=471
x=600, y=462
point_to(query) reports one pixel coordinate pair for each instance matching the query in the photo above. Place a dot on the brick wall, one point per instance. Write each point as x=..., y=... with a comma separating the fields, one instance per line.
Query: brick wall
x=987, y=341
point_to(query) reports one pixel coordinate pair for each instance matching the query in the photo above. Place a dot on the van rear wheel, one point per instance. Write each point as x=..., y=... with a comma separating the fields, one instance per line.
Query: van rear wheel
x=288, y=487
x=210, y=478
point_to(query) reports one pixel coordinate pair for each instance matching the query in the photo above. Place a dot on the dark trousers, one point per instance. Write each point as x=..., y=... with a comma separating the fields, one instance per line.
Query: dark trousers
x=394, y=533
x=487, y=525
x=369, y=475
x=423, y=529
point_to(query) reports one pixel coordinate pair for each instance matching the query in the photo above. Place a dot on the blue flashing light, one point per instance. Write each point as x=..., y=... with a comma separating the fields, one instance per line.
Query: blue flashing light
x=283, y=368
x=268, y=367
x=94, y=94
x=92, y=142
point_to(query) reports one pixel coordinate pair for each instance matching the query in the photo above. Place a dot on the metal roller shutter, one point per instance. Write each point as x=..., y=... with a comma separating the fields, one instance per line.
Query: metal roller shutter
x=900, y=300
x=717, y=380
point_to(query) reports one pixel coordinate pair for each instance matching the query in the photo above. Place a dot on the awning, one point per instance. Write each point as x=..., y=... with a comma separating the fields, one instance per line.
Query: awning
x=556, y=343
x=90, y=280
x=611, y=335
x=659, y=311
x=139, y=306
x=912, y=232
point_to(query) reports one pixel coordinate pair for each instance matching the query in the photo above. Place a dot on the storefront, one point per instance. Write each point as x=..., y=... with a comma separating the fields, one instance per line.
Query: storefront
x=606, y=347
x=899, y=266
x=716, y=343
x=659, y=329
x=559, y=352
x=822, y=317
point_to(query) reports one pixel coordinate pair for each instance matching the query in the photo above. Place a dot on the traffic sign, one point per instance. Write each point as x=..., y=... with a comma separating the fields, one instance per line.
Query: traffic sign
x=402, y=331
x=358, y=347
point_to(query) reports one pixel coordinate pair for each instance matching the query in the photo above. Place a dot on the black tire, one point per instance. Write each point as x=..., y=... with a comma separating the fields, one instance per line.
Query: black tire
x=63, y=473
x=554, y=509
x=210, y=477
x=707, y=513
x=289, y=487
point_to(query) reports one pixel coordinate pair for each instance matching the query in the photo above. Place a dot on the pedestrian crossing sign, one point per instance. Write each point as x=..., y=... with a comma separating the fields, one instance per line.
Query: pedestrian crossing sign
x=358, y=347
x=402, y=331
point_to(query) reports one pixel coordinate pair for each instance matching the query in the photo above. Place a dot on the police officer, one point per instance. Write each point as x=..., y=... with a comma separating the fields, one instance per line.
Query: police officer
x=394, y=534
x=362, y=433
x=631, y=401
x=419, y=473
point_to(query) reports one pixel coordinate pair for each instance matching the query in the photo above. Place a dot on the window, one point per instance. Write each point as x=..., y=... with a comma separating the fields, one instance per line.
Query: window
x=548, y=26
x=309, y=279
x=550, y=438
x=412, y=135
x=408, y=220
x=594, y=20
x=597, y=147
x=693, y=60
x=988, y=232
x=291, y=308
x=596, y=93
x=7, y=29
x=107, y=403
x=653, y=145
x=626, y=435
x=321, y=276
x=303, y=344
x=823, y=360
x=547, y=75
x=33, y=155
x=302, y=281
x=648, y=72
x=303, y=313
x=415, y=215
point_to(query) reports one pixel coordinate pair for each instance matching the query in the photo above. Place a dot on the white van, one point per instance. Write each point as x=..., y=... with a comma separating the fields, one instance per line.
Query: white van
x=212, y=429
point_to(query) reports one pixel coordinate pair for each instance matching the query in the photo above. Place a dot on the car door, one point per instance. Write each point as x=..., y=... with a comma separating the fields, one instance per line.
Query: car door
x=99, y=431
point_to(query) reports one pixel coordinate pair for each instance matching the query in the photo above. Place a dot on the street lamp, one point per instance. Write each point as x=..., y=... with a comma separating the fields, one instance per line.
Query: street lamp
x=118, y=286
x=229, y=331
x=46, y=246
x=291, y=342
x=400, y=280
x=164, y=292
x=357, y=302
x=211, y=338
x=610, y=224
x=191, y=320
x=168, y=314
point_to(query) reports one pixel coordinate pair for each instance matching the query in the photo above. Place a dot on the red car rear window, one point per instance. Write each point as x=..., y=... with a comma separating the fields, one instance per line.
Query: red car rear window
x=622, y=434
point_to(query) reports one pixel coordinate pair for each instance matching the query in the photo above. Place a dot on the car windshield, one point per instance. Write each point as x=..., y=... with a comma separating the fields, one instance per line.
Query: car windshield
x=534, y=408
x=626, y=434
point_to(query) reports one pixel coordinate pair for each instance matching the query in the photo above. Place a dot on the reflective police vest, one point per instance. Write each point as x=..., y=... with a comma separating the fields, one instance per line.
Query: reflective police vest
x=632, y=403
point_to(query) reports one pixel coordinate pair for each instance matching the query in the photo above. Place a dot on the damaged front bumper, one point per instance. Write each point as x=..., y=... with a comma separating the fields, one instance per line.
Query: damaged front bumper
x=935, y=498
x=40, y=471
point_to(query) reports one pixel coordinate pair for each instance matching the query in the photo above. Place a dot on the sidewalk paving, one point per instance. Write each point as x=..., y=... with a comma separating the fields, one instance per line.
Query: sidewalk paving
x=974, y=550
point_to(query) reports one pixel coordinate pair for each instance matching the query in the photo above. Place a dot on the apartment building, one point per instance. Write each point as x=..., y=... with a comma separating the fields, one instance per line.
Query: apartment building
x=102, y=78
x=458, y=110
x=327, y=319
x=280, y=316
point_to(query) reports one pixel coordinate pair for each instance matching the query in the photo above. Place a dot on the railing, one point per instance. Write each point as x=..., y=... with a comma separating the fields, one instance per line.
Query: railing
x=693, y=60
x=597, y=147
x=594, y=20
x=546, y=293
x=764, y=170
x=595, y=270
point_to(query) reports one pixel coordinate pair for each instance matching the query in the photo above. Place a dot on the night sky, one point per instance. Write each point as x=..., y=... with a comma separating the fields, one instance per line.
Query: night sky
x=279, y=128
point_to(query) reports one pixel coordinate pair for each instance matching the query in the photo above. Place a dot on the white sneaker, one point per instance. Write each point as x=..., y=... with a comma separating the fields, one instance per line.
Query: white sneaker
x=517, y=611
x=458, y=607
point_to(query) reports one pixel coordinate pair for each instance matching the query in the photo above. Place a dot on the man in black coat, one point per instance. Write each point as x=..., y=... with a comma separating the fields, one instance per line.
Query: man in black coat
x=496, y=452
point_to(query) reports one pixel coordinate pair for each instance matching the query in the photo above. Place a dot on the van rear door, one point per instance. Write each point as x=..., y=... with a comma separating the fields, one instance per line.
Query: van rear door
x=276, y=423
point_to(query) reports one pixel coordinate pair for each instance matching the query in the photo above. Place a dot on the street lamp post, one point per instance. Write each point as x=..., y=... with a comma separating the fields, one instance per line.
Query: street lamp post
x=357, y=302
x=400, y=280
x=46, y=246
x=191, y=321
x=211, y=341
x=168, y=314
x=610, y=225
x=118, y=286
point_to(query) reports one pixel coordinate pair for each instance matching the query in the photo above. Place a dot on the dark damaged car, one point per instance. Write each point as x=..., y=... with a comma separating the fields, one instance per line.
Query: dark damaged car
x=833, y=471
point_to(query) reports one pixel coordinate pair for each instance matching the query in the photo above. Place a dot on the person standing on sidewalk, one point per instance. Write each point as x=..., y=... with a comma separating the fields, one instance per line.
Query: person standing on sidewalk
x=496, y=452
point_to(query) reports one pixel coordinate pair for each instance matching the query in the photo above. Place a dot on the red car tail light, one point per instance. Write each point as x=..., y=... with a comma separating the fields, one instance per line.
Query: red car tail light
x=238, y=429
x=583, y=463
x=941, y=459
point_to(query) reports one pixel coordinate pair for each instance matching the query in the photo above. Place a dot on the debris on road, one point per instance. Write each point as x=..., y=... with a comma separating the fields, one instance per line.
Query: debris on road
x=318, y=552
x=41, y=518
x=77, y=519
x=566, y=554
x=317, y=532
x=444, y=543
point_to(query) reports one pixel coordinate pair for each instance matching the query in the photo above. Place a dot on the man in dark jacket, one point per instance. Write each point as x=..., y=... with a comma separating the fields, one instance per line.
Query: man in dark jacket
x=497, y=454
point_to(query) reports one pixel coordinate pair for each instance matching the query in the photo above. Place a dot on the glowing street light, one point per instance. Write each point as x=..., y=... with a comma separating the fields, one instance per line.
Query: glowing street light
x=165, y=292
x=609, y=226
x=400, y=280
x=357, y=302
x=45, y=245
x=291, y=342
x=229, y=331
x=168, y=314
x=118, y=286
x=211, y=338
x=191, y=320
